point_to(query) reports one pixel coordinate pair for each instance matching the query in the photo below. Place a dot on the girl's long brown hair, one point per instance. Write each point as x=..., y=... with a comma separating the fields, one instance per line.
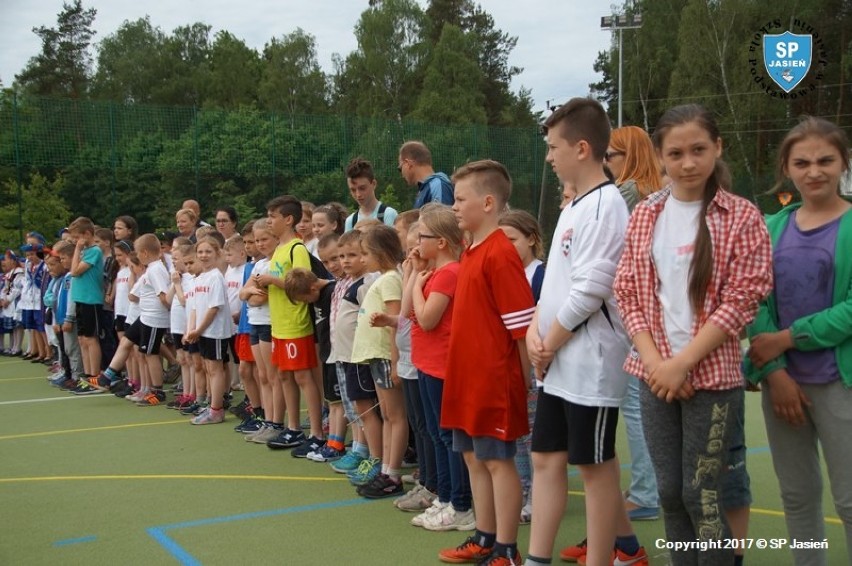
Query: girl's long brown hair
x=701, y=268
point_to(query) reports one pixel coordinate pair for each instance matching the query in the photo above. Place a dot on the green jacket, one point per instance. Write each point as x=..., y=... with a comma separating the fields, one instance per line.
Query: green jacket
x=829, y=328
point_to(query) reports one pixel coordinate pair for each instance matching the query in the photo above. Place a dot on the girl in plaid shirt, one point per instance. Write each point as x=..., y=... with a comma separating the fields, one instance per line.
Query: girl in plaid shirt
x=696, y=264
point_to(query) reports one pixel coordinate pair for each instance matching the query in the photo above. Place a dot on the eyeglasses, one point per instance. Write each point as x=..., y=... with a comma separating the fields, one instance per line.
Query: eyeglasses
x=421, y=237
x=399, y=167
x=610, y=154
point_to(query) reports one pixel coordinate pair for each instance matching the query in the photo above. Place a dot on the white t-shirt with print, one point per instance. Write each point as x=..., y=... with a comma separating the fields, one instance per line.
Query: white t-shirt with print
x=210, y=292
x=152, y=312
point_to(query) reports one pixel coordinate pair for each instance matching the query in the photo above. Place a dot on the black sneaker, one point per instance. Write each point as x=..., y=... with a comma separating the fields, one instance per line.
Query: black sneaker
x=249, y=425
x=381, y=486
x=241, y=406
x=410, y=458
x=121, y=388
x=310, y=445
x=191, y=410
x=287, y=439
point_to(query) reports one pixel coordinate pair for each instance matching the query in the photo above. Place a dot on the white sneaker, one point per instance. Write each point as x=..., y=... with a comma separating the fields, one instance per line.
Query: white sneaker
x=436, y=507
x=416, y=500
x=448, y=519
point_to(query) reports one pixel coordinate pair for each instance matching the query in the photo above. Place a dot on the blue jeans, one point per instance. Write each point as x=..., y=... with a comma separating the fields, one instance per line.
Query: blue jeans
x=643, y=482
x=453, y=481
x=422, y=438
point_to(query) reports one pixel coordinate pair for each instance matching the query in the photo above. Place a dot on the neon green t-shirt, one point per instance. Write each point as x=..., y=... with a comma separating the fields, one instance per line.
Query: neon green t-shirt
x=289, y=320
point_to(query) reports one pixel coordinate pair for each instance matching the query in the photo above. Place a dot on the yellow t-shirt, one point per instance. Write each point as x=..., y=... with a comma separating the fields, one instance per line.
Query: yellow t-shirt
x=289, y=320
x=370, y=342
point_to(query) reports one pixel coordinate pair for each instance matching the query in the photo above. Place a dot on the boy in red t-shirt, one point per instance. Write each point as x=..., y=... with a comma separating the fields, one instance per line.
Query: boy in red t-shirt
x=486, y=386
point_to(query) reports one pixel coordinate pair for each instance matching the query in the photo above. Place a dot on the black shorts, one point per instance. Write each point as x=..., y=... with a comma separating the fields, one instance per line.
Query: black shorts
x=330, y=384
x=148, y=339
x=215, y=349
x=88, y=320
x=232, y=347
x=120, y=323
x=178, y=341
x=260, y=333
x=359, y=382
x=586, y=433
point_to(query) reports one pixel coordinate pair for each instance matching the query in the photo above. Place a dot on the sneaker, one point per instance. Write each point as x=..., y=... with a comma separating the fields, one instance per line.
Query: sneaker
x=151, y=399
x=467, y=552
x=86, y=388
x=286, y=439
x=209, y=416
x=410, y=458
x=121, y=388
x=248, y=426
x=326, y=454
x=54, y=368
x=416, y=501
x=621, y=558
x=448, y=519
x=241, y=406
x=495, y=559
x=101, y=382
x=69, y=384
x=138, y=396
x=367, y=470
x=436, y=507
x=347, y=463
x=574, y=553
x=382, y=486
x=412, y=477
x=60, y=379
x=309, y=446
x=264, y=435
x=178, y=401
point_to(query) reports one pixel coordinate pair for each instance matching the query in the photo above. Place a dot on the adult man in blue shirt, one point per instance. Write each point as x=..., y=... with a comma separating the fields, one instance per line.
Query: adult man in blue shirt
x=415, y=166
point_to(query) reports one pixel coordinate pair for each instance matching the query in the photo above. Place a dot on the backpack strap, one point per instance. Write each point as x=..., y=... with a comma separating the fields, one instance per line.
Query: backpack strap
x=381, y=215
x=537, y=282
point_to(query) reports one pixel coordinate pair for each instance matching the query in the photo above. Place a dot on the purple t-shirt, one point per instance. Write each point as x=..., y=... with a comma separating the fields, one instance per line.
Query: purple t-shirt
x=804, y=284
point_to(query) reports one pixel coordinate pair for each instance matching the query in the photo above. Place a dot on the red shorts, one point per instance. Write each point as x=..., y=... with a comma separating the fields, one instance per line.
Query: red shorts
x=242, y=344
x=293, y=354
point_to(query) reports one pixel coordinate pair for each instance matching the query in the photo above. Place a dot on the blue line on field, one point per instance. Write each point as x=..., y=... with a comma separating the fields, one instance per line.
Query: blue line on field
x=158, y=533
x=68, y=541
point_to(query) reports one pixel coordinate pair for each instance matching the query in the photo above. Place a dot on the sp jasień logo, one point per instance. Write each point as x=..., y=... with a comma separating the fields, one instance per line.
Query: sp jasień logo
x=789, y=56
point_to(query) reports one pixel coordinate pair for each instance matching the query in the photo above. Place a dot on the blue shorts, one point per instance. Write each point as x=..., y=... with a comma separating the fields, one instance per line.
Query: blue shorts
x=260, y=333
x=33, y=320
x=484, y=447
x=7, y=324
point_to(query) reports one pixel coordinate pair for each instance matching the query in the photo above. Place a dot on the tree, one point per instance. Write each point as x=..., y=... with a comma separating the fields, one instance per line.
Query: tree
x=130, y=64
x=42, y=208
x=292, y=80
x=390, y=57
x=451, y=91
x=63, y=68
x=234, y=72
x=186, y=60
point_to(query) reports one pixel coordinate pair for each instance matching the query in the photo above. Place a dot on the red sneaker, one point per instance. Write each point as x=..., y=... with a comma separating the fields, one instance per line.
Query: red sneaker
x=468, y=552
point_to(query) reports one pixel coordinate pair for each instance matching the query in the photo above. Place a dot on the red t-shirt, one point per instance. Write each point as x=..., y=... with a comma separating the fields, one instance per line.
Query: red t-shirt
x=485, y=391
x=429, y=349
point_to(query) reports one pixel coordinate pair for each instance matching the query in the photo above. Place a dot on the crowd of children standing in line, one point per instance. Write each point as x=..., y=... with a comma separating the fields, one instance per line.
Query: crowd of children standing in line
x=444, y=322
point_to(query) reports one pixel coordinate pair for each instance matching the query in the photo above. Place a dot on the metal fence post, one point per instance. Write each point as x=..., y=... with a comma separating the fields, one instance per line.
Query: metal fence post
x=18, y=166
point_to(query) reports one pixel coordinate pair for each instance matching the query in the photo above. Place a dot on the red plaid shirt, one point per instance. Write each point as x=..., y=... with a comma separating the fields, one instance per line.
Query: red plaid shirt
x=742, y=277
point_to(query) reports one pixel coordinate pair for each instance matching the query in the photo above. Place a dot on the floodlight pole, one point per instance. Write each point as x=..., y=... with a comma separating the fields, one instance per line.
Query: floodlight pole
x=621, y=22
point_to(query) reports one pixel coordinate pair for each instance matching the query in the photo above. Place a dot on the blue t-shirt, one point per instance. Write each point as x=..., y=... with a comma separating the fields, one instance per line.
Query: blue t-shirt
x=803, y=263
x=88, y=288
x=244, y=327
x=61, y=310
x=434, y=188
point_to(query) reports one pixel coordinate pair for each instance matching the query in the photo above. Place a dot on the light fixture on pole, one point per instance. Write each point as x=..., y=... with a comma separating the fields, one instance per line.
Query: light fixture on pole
x=620, y=22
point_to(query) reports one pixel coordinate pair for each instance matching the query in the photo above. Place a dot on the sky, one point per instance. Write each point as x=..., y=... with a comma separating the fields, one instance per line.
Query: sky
x=558, y=40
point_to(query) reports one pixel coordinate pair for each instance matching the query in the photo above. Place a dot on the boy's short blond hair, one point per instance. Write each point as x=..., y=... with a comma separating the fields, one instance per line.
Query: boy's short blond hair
x=488, y=177
x=368, y=223
x=408, y=218
x=350, y=237
x=204, y=231
x=82, y=225
x=298, y=283
x=149, y=243
x=63, y=248
x=234, y=241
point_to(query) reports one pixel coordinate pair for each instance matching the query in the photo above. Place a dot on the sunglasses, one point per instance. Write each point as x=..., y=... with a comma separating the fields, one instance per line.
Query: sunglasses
x=610, y=154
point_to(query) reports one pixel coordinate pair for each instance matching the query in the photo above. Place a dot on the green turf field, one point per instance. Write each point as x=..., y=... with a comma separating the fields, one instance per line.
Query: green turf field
x=95, y=480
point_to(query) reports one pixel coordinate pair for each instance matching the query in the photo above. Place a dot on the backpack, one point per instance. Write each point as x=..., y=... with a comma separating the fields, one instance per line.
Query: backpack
x=317, y=266
x=537, y=282
x=380, y=216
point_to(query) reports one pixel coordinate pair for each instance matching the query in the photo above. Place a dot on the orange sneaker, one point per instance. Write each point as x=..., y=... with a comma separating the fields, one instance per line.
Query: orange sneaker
x=468, y=552
x=573, y=553
x=621, y=558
